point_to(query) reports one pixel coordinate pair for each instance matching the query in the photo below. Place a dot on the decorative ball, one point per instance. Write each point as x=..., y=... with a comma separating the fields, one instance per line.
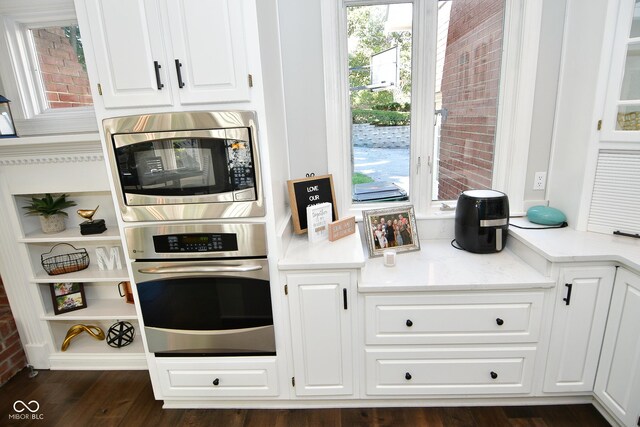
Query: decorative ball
x=120, y=334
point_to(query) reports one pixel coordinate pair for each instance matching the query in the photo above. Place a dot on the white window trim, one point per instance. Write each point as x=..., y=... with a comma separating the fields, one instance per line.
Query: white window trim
x=20, y=84
x=520, y=54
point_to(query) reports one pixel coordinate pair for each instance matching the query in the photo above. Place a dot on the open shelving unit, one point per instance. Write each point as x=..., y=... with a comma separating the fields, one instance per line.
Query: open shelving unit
x=104, y=307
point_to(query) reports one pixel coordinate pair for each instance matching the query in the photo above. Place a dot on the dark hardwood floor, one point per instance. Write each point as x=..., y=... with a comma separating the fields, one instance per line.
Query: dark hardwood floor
x=124, y=398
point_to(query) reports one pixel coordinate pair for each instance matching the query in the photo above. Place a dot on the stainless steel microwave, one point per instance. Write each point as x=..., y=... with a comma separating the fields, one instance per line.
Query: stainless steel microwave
x=187, y=165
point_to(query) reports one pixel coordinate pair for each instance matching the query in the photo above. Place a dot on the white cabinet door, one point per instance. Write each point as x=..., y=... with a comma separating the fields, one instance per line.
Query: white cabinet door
x=618, y=380
x=321, y=324
x=126, y=36
x=209, y=53
x=581, y=307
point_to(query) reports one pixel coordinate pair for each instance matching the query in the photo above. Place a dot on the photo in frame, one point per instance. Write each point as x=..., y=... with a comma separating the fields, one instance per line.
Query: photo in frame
x=67, y=297
x=391, y=228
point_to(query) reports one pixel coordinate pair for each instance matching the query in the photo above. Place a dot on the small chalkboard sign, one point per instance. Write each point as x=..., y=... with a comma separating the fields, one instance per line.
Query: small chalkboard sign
x=310, y=191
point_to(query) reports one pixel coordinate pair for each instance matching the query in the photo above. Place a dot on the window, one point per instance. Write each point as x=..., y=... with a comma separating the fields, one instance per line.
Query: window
x=61, y=71
x=422, y=95
x=44, y=73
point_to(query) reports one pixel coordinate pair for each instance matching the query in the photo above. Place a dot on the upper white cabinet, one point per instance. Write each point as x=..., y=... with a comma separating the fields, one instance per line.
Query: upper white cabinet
x=166, y=52
x=618, y=380
x=580, y=314
x=621, y=121
x=209, y=55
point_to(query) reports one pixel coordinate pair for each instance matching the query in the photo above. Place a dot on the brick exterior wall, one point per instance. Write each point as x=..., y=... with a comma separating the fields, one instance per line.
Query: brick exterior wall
x=12, y=357
x=470, y=94
x=65, y=80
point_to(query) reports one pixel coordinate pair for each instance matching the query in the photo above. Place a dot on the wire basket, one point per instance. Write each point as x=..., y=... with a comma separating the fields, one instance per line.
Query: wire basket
x=65, y=263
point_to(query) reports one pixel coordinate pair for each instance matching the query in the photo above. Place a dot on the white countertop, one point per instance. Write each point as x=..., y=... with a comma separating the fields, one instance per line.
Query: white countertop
x=436, y=266
x=569, y=245
x=343, y=253
x=439, y=266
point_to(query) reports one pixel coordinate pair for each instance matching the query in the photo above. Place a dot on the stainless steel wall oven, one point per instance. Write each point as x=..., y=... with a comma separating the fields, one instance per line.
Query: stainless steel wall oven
x=187, y=165
x=203, y=289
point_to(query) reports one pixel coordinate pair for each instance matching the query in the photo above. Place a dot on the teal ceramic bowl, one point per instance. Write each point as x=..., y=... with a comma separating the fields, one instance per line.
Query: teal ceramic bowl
x=545, y=215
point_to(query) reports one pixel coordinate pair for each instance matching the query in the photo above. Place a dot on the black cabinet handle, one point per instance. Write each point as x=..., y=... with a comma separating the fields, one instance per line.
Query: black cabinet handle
x=499, y=321
x=407, y=376
x=179, y=73
x=409, y=323
x=567, y=300
x=494, y=375
x=216, y=381
x=157, y=68
x=344, y=297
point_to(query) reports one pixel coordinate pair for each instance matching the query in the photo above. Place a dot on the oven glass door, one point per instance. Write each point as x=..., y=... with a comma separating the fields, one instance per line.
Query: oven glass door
x=191, y=313
x=206, y=303
x=186, y=163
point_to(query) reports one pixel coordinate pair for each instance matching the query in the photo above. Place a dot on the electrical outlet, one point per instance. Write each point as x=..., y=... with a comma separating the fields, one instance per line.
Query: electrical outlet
x=539, y=180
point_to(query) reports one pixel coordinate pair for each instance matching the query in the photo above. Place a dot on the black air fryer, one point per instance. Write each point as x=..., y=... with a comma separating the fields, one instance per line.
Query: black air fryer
x=482, y=221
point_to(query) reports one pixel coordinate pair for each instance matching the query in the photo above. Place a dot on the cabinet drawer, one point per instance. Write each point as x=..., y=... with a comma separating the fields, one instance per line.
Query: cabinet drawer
x=450, y=371
x=223, y=378
x=453, y=319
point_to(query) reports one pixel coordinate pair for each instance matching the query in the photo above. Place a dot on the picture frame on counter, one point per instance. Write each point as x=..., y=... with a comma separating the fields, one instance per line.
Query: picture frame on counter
x=67, y=296
x=391, y=228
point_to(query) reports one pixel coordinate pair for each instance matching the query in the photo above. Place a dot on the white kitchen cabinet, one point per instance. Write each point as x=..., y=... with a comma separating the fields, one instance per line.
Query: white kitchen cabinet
x=217, y=377
x=580, y=314
x=450, y=371
x=621, y=119
x=321, y=307
x=618, y=380
x=208, y=50
x=453, y=318
x=125, y=40
x=166, y=52
x=452, y=343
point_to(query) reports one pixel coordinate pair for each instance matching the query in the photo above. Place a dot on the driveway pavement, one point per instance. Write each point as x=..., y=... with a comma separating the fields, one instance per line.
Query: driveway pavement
x=383, y=164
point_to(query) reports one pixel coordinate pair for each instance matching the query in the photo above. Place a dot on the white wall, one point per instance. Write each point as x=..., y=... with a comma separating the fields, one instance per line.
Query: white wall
x=544, y=107
x=584, y=29
x=301, y=38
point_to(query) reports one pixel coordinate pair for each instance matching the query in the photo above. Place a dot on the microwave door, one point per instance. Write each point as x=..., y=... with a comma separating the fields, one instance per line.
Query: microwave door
x=175, y=170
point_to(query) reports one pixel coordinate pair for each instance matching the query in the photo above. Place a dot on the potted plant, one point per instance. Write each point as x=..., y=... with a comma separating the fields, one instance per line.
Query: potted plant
x=50, y=211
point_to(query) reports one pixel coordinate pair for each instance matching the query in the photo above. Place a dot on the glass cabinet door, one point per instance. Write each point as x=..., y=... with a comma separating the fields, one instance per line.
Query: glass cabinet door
x=622, y=114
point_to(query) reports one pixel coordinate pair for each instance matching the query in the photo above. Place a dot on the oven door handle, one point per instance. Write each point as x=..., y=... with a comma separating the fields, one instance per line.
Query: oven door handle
x=200, y=269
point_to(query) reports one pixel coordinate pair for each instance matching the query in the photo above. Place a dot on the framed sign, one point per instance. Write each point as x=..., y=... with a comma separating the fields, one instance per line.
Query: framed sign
x=310, y=191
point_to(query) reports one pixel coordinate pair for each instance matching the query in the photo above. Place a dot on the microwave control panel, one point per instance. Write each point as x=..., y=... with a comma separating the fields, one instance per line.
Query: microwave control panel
x=195, y=242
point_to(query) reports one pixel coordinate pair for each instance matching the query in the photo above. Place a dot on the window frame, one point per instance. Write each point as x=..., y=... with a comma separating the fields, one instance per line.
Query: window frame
x=21, y=84
x=522, y=24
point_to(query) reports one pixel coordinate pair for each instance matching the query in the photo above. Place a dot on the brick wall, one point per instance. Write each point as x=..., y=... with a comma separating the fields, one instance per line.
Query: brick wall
x=12, y=357
x=470, y=94
x=65, y=80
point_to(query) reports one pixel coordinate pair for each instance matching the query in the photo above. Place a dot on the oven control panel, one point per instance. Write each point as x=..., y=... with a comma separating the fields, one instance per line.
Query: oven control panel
x=195, y=242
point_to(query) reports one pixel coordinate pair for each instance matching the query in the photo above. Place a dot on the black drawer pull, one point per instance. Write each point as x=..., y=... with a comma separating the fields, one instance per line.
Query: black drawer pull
x=157, y=68
x=567, y=300
x=179, y=73
x=499, y=321
x=409, y=323
x=494, y=375
x=407, y=376
x=216, y=381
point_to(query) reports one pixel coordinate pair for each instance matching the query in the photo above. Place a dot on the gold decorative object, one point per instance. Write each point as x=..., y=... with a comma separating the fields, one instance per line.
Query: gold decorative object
x=87, y=213
x=91, y=226
x=76, y=330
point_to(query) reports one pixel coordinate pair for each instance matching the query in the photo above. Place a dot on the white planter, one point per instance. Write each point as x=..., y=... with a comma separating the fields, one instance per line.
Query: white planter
x=52, y=223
